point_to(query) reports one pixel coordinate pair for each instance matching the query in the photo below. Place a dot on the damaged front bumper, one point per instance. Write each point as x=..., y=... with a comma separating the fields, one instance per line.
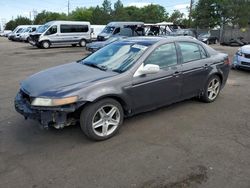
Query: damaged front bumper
x=57, y=117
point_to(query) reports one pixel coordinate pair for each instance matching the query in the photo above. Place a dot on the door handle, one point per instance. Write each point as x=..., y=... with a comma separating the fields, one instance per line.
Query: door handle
x=176, y=73
x=205, y=66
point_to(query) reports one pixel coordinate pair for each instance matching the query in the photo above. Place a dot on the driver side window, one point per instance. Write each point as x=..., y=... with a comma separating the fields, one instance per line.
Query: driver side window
x=164, y=56
x=52, y=30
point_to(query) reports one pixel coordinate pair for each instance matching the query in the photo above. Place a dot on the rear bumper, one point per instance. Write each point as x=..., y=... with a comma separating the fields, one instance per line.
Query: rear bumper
x=46, y=116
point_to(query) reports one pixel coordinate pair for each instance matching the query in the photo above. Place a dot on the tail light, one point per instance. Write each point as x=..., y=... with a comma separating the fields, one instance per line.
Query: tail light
x=227, y=61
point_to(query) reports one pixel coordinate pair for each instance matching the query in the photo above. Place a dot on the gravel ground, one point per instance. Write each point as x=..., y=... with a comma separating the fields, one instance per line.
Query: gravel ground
x=188, y=144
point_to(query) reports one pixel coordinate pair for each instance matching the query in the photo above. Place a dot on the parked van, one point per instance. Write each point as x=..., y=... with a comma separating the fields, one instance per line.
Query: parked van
x=24, y=35
x=96, y=30
x=122, y=28
x=61, y=33
x=17, y=31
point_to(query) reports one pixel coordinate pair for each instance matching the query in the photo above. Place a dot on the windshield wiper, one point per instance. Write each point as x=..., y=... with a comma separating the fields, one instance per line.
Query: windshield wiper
x=101, y=67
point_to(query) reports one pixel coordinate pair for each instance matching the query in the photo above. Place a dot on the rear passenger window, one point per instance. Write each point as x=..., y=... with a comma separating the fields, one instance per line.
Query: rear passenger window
x=164, y=55
x=190, y=51
x=74, y=28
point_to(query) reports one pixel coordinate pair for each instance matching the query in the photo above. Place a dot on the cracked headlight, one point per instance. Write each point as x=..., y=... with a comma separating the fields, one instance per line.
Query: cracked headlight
x=53, y=102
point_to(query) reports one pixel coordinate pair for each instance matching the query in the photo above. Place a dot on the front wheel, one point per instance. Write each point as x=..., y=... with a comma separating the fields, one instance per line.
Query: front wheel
x=45, y=44
x=82, y=43
x=212, y=89
x=101, y=120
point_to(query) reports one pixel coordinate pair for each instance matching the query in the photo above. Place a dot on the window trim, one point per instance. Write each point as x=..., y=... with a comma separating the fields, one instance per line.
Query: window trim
x=199, y=46
x=167, y=66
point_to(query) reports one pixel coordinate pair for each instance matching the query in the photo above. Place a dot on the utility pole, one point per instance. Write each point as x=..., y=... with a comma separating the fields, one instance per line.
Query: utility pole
x=68, y=7
x=190, y=12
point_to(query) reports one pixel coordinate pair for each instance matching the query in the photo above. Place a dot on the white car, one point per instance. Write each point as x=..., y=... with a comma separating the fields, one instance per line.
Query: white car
x=242, y=58
x=5, y=33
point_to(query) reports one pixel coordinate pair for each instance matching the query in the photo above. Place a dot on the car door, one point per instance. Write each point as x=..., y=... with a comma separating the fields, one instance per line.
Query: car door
x=153, y=90
x=52, y=34
x=195, y=68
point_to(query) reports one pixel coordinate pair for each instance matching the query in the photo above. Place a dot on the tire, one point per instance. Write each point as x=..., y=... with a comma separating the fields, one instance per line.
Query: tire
x=74, y=45
x=212, y=89
x=45, y=44
x=82, y=43
x=98, y=113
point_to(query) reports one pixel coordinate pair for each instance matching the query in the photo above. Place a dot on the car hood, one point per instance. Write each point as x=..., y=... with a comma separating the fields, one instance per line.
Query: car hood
x=96, y=44
x=246, y=49
x=59, y=81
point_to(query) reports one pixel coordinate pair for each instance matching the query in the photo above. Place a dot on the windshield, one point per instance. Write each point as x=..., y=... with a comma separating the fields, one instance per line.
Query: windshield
x=26, y=30
x=108, y=29
x=20, y=30
x=118, y=56
x=43, y=28
x=204, y=35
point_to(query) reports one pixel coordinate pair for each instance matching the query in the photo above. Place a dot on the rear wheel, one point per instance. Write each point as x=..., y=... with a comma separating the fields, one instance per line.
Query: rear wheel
x=212, y=89
x=101, y=120
x=45, y=44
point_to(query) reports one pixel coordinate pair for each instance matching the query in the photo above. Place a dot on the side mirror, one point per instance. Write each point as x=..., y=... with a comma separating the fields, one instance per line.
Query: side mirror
x=150, y=69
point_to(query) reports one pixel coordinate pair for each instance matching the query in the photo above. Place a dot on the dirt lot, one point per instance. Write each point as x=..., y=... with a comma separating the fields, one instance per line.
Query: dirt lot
x=189, y=144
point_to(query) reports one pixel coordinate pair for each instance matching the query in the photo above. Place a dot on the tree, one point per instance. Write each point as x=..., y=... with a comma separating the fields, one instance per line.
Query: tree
x=177, y=17
x=98, y=16
x=106, y=5
x=81, y=14
x=153, y=13
x=46, y=16
x=12, y=24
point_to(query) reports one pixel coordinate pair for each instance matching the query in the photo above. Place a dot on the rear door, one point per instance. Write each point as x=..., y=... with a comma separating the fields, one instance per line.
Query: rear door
x=153, y=90
x=195, y=68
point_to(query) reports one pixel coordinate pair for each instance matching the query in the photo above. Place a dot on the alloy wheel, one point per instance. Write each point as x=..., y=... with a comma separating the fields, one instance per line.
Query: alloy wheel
x=106, y=120
x=213, y=89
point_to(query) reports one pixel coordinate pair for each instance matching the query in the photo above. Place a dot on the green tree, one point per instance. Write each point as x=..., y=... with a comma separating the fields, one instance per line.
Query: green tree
x=12, y=24
x=119, y=13
x=153, y=13
x=81, y=14
x=97, y=16
x=176, y=17
x=46, y=16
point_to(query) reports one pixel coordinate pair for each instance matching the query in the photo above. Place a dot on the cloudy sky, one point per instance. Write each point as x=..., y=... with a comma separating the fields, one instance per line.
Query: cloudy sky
x=12, y=8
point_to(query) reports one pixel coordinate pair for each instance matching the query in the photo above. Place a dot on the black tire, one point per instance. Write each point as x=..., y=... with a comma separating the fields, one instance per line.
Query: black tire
x=205, y=97
x=89, y=113
x=82, y=43
x=45, y=44
x=74, y=45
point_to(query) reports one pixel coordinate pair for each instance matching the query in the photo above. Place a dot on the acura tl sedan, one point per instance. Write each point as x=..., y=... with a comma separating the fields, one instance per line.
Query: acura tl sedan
x=124, y=78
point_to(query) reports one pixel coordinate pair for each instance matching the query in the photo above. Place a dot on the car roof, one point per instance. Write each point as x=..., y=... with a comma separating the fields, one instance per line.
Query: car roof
x=153, y=40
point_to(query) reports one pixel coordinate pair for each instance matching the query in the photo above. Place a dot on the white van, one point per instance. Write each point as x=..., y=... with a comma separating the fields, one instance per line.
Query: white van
x=96, y=30
x=16, y=32
x=61, y=33
x=24, y=35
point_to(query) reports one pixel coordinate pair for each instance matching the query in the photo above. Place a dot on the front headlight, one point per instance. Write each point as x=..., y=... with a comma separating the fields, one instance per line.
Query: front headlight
x=240, y=53
x=53, y=102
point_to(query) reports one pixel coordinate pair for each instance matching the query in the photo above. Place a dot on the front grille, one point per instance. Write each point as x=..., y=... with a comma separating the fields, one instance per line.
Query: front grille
x=245, y=63
x=100, y=38
x=247, y=56
x=34, y=38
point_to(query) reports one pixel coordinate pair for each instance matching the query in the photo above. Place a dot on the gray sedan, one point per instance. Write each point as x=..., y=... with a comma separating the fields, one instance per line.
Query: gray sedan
x=127, y=77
